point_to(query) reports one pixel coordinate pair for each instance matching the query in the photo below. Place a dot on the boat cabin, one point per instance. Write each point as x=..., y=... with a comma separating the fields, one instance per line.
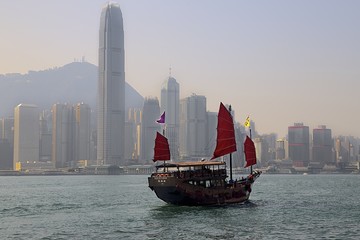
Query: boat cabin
x=206, y=174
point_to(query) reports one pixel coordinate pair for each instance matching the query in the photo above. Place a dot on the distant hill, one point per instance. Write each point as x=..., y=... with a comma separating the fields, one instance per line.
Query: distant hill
x=73, y=83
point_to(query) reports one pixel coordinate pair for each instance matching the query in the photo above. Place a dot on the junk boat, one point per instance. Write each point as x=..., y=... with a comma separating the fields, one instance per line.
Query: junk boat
x=205, y=182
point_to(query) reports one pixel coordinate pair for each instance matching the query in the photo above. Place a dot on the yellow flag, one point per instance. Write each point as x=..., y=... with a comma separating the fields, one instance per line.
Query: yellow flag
x=247, y=122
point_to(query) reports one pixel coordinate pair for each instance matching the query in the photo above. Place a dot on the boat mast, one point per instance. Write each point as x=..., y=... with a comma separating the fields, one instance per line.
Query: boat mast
x=231, y=178
x=164, y=135
x=251, y=170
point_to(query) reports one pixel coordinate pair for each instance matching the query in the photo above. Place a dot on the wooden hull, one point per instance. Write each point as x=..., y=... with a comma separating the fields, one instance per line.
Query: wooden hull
x=178, y=191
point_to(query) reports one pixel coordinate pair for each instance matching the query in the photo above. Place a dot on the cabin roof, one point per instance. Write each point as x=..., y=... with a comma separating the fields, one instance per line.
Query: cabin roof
x=189, y=164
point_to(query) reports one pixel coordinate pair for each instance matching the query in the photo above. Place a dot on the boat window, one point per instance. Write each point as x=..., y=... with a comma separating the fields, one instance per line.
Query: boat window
x=167, y=169
x=208, y=184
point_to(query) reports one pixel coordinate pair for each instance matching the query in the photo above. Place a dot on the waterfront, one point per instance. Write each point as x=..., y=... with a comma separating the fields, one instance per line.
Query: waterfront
x=123, y=207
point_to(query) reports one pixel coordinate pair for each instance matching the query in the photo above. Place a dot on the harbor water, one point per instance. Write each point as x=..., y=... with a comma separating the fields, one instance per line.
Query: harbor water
x=123, y=207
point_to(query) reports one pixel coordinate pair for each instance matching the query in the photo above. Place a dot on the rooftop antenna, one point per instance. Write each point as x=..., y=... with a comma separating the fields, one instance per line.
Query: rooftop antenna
x=170, y=71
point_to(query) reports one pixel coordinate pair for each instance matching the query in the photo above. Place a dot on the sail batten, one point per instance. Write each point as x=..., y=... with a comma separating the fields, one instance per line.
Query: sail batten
x=161, y=149
x=250, y=152
x=225, y=142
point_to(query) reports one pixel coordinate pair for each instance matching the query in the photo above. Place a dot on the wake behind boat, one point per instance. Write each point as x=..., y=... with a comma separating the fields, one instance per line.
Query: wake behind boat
x=204, y=182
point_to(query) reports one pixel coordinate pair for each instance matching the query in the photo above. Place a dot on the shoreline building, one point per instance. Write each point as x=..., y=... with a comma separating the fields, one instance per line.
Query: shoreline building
x=6, y=155
x=111, y=88
x=7, y=129
x=45, y=136
x=299, y=145
x=322, y=145
x=83, y=132
x=63, y=136
x=26, y=134
x=170, y=103
x=211, y=125
x=192, y=135
x=132, y=133
x=149, y=127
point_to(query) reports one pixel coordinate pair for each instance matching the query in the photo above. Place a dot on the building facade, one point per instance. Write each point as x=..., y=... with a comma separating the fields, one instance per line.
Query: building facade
x=111, y=87
x=83, y=131
x=132, y=149
x=299, y=145
x=7, y=129
x=193, y=129
x=211, y=125
x=26, y=134
x=63, y=136
x=170, y=103
x=6, y=155
x=322, y=146
x=281, y=149
x=149, y=127
x=45, y=136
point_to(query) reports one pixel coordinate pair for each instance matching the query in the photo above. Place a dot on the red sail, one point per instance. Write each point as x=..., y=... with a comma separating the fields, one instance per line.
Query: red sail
x=250, y=153
x=225, y=142
x=161, y=149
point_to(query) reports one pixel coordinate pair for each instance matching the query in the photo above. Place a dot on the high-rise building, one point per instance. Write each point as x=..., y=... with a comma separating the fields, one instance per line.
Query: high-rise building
x=7, y=129
x=26, y=134
x=45, y=136
x=83, y=131
x=6, y=155
x=170, y=103
x=132, y=144
x=281, y=148
x=270, y=140
x=322, y=145
x=211, y=125
x=261, y=147
x=63, y=136
x=299, y=145
x=193, y=129
x=111, y=87
x=344, y=150
x=149, y=127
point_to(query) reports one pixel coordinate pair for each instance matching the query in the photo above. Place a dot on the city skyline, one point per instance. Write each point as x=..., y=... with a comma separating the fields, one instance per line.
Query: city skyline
x=279, y=62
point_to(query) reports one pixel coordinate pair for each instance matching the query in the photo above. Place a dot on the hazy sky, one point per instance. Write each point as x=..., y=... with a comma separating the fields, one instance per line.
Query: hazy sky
x=278, y=61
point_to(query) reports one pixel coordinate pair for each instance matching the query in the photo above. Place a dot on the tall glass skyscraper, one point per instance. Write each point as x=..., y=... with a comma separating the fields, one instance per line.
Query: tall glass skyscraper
x=299, y=145
x=111, y=87
x=63, y=135
x=26, y=133
x=322, y=145
x=149, y=127
x=170, y=103
x=192, y=134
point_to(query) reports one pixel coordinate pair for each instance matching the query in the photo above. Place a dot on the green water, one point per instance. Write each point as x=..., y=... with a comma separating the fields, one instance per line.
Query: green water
x=123, y=207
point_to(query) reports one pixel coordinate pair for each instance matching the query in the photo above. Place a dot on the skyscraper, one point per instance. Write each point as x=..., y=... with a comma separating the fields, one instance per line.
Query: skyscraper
x=299, y=145
x=149, y=127
x=7, y=129
x=111, y=87
x=26, y=133
x=193, y=131
x=134, y=122
x=322, y=145
x=45, y=136
x=211, y=125
x=170, y=104
x=83, y=131
x=63, y=135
